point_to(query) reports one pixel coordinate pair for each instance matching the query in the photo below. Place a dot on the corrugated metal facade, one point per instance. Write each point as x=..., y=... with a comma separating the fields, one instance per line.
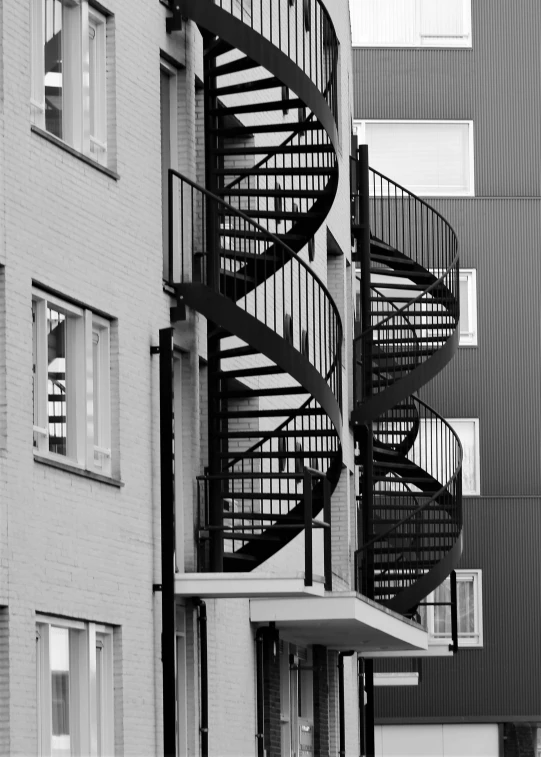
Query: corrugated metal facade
x=497, y=84
x=500, y=681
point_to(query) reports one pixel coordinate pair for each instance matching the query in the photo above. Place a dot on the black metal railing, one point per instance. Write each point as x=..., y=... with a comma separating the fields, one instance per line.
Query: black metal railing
x=424, y=313
x=417, y=507
x=301, y=29
x=265, y=278
x=242, y=524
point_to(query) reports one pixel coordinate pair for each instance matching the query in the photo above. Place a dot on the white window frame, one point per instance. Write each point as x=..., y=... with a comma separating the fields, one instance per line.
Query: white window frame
x=83, y=449
x=420, y=40
x=91, y=686
x=469, y=338
x=475, y=576
x=79, y=21
x=476, y=491
x=359, y=128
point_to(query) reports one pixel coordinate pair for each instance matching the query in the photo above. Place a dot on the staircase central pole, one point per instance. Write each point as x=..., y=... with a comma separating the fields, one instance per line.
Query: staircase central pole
x=212, y=254
x=367, y=450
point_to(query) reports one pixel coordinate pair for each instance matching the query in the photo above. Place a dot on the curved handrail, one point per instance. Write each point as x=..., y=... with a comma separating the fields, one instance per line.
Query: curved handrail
x=412, y=195
x=445, y=490
x=251, y=267
x=302, y=35
x=413, y=301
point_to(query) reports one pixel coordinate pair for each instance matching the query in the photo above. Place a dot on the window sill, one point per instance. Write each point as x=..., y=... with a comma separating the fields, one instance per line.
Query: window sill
x=72, y=151
x=78, y=471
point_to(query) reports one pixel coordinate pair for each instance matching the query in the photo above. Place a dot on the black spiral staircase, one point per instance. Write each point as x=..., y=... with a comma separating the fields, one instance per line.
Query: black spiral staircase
x=406, y=332
x=240, y=254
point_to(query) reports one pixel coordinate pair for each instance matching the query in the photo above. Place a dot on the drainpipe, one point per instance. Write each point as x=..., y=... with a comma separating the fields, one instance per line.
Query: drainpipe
x=260, y=677
x=341, y=702
x=203, y=665
x=366, y=711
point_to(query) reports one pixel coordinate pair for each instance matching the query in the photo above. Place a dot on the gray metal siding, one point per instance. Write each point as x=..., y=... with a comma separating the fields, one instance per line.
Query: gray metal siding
x=496, y=84
x=502, y=680
x=498, y=381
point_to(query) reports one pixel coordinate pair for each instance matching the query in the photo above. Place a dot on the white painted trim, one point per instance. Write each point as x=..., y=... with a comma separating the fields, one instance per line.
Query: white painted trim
x=433, y=650
x=422, y=41
x=462, y=574
x=359, y=127
x=470, y=276
x=396, y=679
x=475, y=421
x=334, y=616
x=244, y=585
x=79, y=397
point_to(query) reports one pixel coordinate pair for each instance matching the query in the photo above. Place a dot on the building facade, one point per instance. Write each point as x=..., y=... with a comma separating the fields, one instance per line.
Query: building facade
x=222, y=506
x=458, y=83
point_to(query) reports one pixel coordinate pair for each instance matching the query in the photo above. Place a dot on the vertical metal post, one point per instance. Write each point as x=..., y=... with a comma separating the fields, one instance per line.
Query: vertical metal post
x=367, y=448
x=370, y=741
x=327, y=534
x=167, y=468
x=203, y=662
x=454, y=611
x=212, y=252
x=307, y=491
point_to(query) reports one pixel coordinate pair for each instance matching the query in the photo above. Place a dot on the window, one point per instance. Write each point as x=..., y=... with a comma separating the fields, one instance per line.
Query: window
x=432, y=438
x=430, y=158
x=437, y=618
x=69, y=74
x=71, y=383
x=74, y=688
x=467, y=430
x=411, y=23
x=468, y=307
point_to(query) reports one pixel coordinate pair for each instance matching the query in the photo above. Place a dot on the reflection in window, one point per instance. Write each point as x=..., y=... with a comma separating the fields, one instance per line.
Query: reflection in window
x=60, y=667
x=53, y=66
x=56, y=381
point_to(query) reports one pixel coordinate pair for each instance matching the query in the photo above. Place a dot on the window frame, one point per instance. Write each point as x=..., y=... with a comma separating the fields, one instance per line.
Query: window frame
x=476, y=452
x=89, y=722
x=432, y=42
x=469, y=338
x=78, y=18
x=462, y=575
x=82, y=378
x=359, y=126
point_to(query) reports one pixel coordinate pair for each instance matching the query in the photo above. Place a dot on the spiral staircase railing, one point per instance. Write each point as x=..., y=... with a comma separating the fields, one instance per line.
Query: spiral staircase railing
x=240, y=253
x=410, y=457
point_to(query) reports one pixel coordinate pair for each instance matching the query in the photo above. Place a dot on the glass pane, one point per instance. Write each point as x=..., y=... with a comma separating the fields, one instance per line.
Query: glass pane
x=56, y=381
x=427, y=158
x=34, y=369
x=60, y=691
x=99, y=695
x=96, y=387
x=52, y=44
x=442, y=18
x=442, y=613
x=92, y=78
x=466, y=608
x=464, y=312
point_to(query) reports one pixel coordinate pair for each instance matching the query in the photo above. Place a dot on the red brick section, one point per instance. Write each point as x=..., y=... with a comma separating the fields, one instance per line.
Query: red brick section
x=271, y=692
x=321, y=703
x=519, y=740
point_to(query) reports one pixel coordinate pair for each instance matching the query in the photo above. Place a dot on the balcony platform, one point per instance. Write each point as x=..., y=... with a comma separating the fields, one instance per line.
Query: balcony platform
x=247, y=585
x=341, y=621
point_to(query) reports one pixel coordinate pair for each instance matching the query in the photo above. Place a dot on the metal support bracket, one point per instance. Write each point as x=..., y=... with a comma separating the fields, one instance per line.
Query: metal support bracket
x=174, y=23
